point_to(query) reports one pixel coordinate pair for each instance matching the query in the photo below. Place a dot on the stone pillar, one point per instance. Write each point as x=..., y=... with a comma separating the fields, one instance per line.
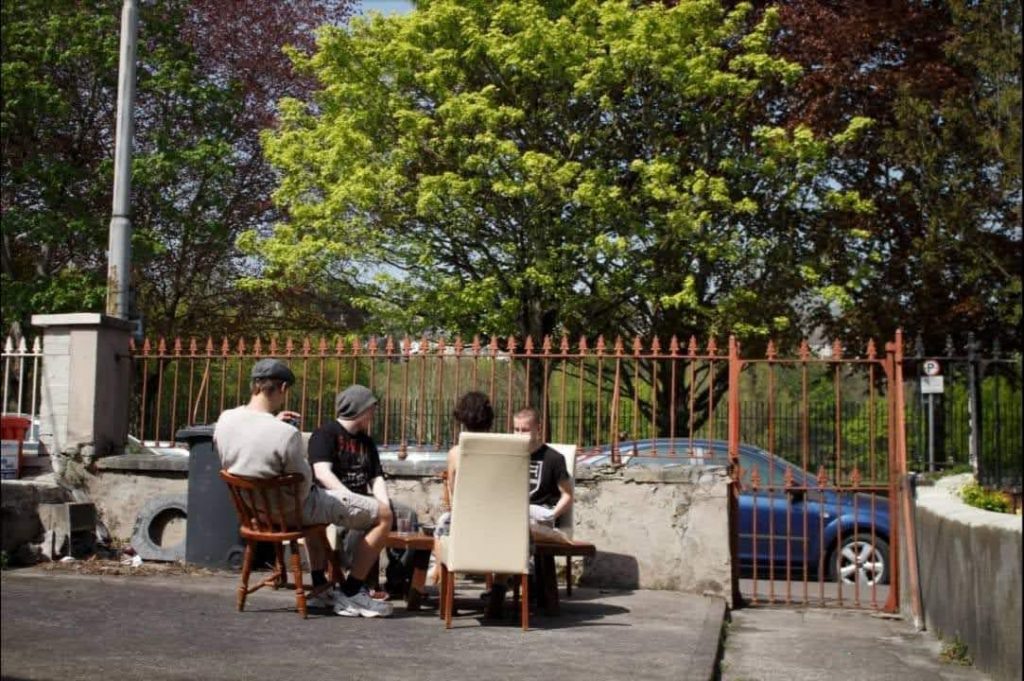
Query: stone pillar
x=86, y=386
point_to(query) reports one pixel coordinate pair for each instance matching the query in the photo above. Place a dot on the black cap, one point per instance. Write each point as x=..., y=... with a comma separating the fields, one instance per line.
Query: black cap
x=353, y=401
x=273, y=369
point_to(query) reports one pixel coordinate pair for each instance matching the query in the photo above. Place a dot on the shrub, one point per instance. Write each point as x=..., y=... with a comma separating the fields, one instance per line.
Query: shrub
x=975, y=495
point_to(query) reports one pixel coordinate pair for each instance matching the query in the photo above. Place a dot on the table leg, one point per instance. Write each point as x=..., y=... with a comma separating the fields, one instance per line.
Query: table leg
x=417, y=586
x=547, y=584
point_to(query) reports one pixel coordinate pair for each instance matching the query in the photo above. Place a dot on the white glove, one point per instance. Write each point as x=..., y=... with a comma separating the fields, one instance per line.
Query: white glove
x=542, y=514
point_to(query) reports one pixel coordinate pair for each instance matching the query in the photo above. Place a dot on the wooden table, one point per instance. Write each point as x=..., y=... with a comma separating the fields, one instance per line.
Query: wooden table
x=544, y=551
x=421, y=545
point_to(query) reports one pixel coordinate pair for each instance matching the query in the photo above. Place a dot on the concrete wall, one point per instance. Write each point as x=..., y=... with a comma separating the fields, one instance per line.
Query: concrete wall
x=654, y=529
x=970, y=573
x=119, y=493
x=19, y=508
x=663, y=528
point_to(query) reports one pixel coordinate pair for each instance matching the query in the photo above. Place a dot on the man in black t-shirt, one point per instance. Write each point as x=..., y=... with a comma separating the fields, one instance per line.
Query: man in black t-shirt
x=550, y=484
x=345, y=459
x=343, y=455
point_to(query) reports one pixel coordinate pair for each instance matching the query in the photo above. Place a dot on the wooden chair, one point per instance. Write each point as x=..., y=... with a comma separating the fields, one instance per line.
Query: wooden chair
x=490, y=516
x=269, y=511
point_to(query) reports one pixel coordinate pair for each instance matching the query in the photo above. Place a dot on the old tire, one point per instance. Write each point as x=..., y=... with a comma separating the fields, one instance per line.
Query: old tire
x=160, y=529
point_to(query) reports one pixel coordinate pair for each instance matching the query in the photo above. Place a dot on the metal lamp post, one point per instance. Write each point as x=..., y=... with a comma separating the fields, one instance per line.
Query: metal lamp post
x=120, y=250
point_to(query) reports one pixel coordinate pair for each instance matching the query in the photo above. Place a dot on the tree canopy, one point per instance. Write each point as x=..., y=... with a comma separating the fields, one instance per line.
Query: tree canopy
x=558, y=167
x=208, y=79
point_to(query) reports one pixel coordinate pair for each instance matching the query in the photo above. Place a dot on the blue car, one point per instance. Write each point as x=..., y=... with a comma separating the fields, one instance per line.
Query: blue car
x=838, y=535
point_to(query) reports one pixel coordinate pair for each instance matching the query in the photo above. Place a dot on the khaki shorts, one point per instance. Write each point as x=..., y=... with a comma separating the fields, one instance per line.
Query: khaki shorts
x=340, y=507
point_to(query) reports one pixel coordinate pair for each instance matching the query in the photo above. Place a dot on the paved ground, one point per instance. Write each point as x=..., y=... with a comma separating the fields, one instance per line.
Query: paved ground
x=60, y=625
x=780, y=644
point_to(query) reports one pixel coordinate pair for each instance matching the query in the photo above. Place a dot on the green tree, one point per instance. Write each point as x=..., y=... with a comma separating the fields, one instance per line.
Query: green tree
x=209, y=74
x=535, y=168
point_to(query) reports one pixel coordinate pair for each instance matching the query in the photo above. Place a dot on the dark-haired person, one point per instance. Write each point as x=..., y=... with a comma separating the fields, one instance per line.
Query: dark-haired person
x=474, y=414
x=253, y=442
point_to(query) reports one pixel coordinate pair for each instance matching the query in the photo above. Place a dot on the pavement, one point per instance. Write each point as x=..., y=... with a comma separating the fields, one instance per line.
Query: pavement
x=58, y=623
x=790, y=644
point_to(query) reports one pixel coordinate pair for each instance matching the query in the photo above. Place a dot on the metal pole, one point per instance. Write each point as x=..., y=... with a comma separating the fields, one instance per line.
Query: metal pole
x=119, y=255
x=931, y=432
x=973, y=403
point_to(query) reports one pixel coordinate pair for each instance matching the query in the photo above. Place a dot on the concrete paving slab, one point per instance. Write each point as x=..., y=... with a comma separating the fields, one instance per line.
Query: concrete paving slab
x=776, y=644
x=58, y=625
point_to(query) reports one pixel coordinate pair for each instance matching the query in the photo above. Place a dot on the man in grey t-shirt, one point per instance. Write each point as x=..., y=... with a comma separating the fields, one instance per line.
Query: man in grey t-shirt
x=252, y=442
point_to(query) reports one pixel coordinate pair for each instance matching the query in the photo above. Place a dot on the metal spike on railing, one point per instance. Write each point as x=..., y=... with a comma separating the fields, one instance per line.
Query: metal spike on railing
x=918, y=346
x=950, y=348
x=441, y=345
x=673, y=345
x=289, y=347
x=545, y=345
x=209, y=345
x=475, y=347
x=356, y=345
x=770, y=352
x=712, y=346
x=494, y=346
x=225, y=347
x=822, y=477
x=618, y=345
x=389, y=345
x=257, y=348
x=872, y=350
x=240, y=347
x=563, y=347
x=273, y=346
x=692, y=348
x=371, y=346
x=805, y=350
x=307, y=347
x=322, y=347
x=837, y=349
x=458, y=346
x=528, y=345
x=788, y=478
x=755, y=479
x=131, y=346
x=405, y=345
x=161, y=347
x=599, y=348
x=9, y=346
x=583, y=345
x=855, y=477
x=638, y=346
x=146, y=347
x=37, y=346
x=655, y=346
x=511, y=345
x=22, y=346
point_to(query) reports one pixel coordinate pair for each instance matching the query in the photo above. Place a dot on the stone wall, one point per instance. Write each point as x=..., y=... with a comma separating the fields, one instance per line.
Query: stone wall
x=19, y=508
x=970, y=575
x=660, y=528
x=663, y=528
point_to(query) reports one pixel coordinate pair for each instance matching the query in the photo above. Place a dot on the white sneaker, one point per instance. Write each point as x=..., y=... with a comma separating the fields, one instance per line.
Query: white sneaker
x=361, y=605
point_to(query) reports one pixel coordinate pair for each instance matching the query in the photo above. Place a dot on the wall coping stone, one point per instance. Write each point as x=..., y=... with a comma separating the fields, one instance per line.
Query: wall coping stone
x=156, y=462
x=942, y=499
x=82, y=319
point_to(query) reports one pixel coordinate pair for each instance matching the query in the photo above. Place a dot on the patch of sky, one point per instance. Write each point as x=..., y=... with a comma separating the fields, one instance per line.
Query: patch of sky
x=385, y=6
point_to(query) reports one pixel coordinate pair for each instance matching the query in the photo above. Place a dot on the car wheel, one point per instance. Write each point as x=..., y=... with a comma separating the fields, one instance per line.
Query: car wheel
x=860, y=558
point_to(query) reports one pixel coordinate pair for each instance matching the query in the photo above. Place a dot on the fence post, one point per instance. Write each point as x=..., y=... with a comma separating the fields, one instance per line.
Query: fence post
x=735, y=369
x=973, y=402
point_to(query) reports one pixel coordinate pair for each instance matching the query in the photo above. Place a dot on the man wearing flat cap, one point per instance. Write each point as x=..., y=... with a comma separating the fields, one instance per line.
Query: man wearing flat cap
x=345, y=458
x=256, y=441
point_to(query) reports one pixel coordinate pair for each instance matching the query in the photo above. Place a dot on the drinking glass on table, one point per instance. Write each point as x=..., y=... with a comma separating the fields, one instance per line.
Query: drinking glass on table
x=403, y=520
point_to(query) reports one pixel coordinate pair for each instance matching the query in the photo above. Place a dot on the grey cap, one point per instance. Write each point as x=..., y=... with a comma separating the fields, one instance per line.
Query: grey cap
x=273, y=369
x=353, y=401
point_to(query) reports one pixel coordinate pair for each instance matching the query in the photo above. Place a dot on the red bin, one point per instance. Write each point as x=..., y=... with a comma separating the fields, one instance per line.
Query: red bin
x=12, y=432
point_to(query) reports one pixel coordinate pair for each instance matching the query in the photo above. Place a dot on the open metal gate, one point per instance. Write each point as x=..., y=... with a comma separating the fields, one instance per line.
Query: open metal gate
x=815, y=497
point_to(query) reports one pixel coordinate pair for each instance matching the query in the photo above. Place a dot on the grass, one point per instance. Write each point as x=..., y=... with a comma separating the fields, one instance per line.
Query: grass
x=955, y=652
